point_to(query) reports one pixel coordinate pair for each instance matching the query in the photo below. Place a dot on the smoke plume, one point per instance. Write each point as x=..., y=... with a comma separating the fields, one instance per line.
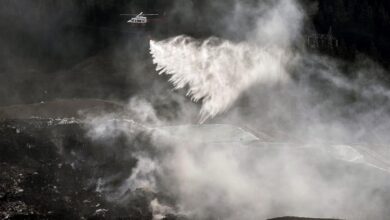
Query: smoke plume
x=321, y=149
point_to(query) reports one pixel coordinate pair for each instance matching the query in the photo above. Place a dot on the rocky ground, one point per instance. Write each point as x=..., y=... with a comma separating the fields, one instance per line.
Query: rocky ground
x=40, y=180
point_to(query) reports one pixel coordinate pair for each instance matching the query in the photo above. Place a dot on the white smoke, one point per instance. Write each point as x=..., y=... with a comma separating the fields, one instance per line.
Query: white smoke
x=318, y=170
x=211, y=173
x=233, y=180
x=159, y=211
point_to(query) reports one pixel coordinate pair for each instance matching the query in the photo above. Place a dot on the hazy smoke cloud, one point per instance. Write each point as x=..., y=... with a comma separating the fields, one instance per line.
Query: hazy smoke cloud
x=324, y=152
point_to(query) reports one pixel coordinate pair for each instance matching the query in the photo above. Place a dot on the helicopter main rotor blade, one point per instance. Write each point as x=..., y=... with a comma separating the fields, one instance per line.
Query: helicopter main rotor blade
x=138, y=14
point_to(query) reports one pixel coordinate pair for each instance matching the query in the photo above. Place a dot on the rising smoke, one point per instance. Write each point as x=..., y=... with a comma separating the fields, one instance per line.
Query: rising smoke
x=328, y=131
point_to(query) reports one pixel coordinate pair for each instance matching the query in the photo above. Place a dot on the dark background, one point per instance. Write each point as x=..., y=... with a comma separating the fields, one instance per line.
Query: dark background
x=52, y=49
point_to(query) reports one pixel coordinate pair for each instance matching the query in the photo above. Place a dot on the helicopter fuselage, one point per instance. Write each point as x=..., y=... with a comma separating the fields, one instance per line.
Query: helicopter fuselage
x=138, y=20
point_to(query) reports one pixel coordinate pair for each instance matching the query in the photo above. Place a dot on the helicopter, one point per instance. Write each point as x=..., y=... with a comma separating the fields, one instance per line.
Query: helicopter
x=140, y=18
